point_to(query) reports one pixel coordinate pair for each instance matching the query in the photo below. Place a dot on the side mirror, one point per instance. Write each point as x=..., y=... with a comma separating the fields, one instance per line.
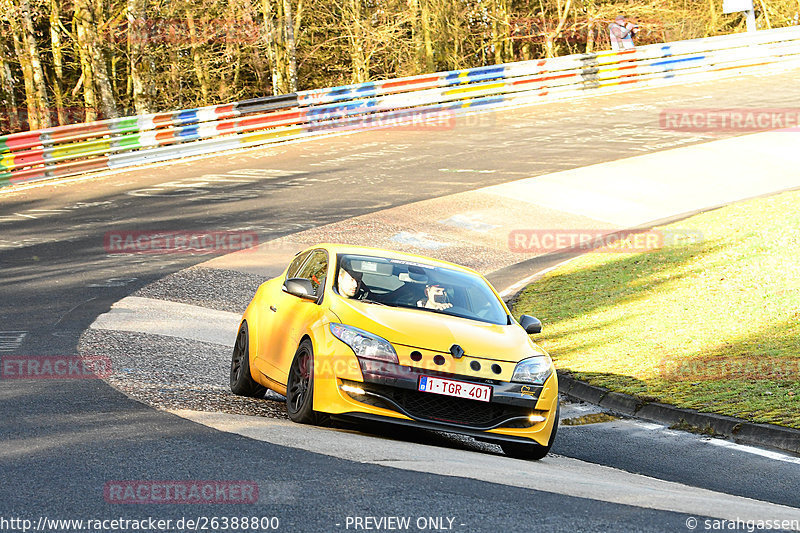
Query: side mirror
x=300, y=287
x=530, y=324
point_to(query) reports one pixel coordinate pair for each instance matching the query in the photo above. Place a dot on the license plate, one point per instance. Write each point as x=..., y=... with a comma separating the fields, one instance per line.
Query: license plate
x=459, y=389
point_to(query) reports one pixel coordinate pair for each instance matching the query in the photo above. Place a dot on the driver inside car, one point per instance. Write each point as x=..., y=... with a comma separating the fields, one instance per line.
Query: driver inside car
x=350, y=284
x=435, y=298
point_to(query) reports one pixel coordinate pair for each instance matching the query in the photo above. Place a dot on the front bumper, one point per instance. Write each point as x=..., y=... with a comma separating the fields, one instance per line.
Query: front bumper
x=389, y=392
x=395, y=387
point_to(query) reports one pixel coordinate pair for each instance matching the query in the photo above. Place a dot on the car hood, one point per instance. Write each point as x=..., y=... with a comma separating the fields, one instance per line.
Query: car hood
x=436, y=331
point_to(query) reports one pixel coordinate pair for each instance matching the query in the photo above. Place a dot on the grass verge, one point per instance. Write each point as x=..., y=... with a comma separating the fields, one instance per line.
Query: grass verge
x=712, y=325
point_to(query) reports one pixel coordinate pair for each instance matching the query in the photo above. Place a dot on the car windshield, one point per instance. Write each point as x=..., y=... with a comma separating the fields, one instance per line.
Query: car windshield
x=400, y=283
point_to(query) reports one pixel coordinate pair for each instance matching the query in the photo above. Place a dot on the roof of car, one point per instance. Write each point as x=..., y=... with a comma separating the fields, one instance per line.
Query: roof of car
x=334, y=248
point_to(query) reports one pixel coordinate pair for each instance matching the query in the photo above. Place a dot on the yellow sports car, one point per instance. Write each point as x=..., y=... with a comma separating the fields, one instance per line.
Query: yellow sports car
x=372, y=334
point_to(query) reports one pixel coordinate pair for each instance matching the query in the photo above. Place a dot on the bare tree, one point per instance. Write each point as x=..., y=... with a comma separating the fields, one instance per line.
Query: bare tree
x=35, y=62
x=19, y=18
x=9, y=98
x=140, y=64
x=58, y=61
x=280, y=31
x=501, y=43
x=562, y=12
x=93, y=61
x=199, y=66
x=421, y=32
x=354, y=26
x=83, y=44
x=289, y=45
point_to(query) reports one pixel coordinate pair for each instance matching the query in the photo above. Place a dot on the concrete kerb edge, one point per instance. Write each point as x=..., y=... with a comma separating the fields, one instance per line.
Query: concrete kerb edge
x=738, y=430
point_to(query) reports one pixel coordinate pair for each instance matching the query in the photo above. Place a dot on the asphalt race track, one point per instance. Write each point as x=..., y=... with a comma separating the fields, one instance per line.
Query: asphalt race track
x=63, y=441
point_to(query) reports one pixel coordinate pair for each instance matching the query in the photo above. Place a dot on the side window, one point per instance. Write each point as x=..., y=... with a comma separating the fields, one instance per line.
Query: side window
x=315, y=269
x=296, y=264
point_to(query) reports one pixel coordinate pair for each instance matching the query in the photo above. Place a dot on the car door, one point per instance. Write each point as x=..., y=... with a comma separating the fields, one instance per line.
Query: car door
x=293, y=315
x=264, y=360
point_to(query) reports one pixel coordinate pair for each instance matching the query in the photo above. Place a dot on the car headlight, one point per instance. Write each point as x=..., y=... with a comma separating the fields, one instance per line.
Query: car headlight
x=533, y=370
x=364, y=344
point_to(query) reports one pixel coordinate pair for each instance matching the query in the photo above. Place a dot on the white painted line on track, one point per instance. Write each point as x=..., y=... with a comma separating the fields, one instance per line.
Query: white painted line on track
x=11, y=340
x=649, y=426
x=778, y=456
x=554, y=474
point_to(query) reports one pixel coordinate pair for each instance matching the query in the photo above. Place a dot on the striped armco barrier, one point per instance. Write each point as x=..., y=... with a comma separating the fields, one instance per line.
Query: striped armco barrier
x=130, y=141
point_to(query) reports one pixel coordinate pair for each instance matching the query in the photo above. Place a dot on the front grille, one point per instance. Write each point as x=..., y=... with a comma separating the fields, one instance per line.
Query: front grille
x=440, y=408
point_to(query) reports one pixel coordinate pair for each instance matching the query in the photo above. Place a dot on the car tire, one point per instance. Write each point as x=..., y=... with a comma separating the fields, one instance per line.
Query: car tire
x=532, y=452
x=242, y=382
x=300, y=386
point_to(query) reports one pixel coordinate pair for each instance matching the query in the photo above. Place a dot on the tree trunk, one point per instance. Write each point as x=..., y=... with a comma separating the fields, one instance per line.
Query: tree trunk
x=108, y=101
x=40, y=86
x=139, y=63
x=27, y=75
x=7, y=83
x=254, y=51
x=592, y=29
x=93, y=62
x=298, y=18
x=272, y=48
x=550, y=38
x=281, y=45
x=766, y=15
x=416, y=35
x=712, y=25
x=58, y=62
x=500, y=29
x=427, y=41
x=355, y=37
x=290, y=47
x=87, y=76
x=199, y=68
x=453, y=30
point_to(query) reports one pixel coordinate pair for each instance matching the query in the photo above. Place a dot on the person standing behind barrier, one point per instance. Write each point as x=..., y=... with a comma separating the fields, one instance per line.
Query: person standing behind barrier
x=622, y=33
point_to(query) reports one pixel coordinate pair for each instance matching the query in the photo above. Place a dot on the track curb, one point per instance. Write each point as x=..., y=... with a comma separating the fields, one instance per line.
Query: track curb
x=740, y=431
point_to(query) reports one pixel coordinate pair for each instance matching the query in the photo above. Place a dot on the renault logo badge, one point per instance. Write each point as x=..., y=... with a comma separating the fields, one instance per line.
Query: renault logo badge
x=456, y=351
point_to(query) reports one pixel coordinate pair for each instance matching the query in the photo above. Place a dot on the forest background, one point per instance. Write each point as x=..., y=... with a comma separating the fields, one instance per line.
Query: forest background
x=63, y=62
